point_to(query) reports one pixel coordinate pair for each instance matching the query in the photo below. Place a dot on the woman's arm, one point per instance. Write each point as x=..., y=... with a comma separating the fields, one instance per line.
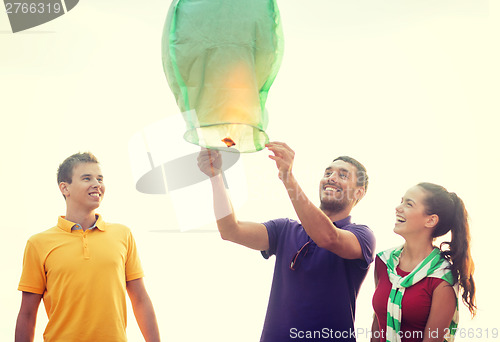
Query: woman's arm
x=375, y=326
x=442, y=309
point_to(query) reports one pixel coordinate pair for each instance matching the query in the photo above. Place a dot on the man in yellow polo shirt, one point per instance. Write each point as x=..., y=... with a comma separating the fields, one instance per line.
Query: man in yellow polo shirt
x=82, y=268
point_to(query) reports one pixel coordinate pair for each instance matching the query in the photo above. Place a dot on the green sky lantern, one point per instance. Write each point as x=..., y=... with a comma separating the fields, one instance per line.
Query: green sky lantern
x=220, y=58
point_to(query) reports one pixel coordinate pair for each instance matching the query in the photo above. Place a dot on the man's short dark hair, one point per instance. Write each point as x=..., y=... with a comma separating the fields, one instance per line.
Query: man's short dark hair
x=361, y=176
x=65, y=170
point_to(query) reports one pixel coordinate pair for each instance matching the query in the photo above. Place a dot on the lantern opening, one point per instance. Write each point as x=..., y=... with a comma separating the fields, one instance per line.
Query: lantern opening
x=240, y=137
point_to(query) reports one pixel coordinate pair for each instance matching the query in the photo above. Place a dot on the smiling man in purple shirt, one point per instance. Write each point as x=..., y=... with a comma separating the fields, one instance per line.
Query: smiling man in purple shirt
x=320, y=262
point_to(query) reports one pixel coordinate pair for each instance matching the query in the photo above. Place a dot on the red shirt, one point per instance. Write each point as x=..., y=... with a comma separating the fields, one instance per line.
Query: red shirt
x=416, y=303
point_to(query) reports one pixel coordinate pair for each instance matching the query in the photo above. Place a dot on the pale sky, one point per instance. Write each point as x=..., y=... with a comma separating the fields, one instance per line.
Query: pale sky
x=408, y=88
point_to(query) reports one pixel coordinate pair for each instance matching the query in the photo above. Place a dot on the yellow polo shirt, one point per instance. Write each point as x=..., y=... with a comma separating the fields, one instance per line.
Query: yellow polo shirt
x=82, y=276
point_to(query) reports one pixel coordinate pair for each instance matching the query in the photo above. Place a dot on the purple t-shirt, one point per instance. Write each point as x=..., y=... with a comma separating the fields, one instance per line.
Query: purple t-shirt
x=317, y=300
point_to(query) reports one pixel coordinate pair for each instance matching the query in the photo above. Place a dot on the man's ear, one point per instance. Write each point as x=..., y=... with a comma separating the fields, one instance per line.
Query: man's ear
x=432, y=221
x=359, y=193
x=63, y=187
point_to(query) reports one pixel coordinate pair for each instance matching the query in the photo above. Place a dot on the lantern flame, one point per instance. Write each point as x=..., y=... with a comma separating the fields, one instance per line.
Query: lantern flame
x=228, y=141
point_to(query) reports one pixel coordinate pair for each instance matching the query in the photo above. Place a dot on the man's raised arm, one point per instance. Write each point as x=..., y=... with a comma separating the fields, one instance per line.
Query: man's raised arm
x=315, y=222
x=250, y=234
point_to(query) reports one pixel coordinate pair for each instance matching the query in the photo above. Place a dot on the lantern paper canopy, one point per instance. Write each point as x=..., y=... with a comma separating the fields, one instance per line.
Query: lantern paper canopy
x=220, y=58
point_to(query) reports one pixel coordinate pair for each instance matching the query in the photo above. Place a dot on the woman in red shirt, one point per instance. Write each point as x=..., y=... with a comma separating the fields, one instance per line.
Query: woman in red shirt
x=417, y=284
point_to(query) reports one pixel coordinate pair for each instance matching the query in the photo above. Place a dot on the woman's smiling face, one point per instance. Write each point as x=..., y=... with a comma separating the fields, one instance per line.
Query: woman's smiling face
x=411, y=215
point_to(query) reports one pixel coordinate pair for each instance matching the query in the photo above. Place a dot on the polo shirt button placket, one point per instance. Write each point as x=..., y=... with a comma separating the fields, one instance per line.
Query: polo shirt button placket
x=86, y=254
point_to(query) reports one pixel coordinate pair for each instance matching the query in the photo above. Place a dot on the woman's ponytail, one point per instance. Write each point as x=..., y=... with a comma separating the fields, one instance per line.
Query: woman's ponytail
x=461, y=259
x=453, y=217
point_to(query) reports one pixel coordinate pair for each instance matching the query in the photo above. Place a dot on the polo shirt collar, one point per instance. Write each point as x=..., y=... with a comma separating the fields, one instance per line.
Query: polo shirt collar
x=66, y=225
x=344, y=222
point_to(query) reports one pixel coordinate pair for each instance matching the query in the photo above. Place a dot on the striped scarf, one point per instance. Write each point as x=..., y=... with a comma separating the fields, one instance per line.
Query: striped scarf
x=435, y=266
